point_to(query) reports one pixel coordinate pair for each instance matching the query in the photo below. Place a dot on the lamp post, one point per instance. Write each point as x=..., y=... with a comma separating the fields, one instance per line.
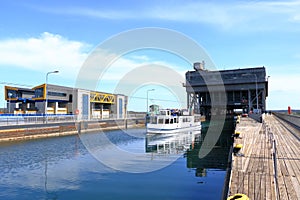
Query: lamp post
x=9, y=97
x=46, y=92
x=147, y=99
x=256, y=93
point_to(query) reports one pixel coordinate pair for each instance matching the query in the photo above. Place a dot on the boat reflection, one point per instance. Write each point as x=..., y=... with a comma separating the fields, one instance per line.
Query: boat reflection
x=175, y=143
x=190, y=144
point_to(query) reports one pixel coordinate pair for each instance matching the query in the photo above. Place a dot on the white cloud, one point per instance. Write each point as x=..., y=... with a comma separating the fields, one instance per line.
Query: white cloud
x=54, y=52
x=284, y=91
x=283, y=82
x=42, y=53
x=237, y=15
x=88, y=12
x=123, y=65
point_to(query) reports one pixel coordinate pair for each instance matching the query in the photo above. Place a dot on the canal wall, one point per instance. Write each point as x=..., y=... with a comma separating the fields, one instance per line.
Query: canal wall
x=292, y=119
x=35, y=131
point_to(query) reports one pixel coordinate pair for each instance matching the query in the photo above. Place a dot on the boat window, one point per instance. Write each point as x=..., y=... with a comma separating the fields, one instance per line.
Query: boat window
x=175, y=120
x=160, y=121
x=153, y=120
x=171, y=121
x=162, y=112
x=167, y=121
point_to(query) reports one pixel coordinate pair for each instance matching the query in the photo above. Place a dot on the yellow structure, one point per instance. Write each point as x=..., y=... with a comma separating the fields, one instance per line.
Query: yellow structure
x=238, y=146
x=238, y=119
x=237, y=134
x=238, y=197
x=98, y=97
x=40, y=92
x=12, y=91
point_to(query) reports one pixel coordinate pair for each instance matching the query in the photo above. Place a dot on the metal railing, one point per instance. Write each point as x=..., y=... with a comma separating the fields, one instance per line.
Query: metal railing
x=21, y=120
x=6, y=120
x=272, y=141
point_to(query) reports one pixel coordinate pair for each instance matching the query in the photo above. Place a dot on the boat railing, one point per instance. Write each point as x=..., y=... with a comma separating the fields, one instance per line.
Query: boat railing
x=164, y=119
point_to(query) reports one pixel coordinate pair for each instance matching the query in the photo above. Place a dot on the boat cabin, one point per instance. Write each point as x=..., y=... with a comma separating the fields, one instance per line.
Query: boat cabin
x=174, y=120
x=170, y=117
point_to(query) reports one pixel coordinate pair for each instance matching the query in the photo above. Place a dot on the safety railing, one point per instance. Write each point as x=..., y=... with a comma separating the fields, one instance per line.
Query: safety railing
x=6, y=120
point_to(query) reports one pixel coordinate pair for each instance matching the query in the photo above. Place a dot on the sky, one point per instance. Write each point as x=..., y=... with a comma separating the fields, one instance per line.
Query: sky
x=41, y=36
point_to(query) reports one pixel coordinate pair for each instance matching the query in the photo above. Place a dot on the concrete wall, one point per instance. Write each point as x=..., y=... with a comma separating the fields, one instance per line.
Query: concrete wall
x=294, y=119
x=78, y=104
x=121, y=111
x=60, y=90
x=40, y=106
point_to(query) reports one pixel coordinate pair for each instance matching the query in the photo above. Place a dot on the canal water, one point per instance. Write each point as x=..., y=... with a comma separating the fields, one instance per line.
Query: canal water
x=67, y=168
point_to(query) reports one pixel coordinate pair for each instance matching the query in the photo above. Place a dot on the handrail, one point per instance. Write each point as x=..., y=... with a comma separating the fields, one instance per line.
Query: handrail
x=40, y=119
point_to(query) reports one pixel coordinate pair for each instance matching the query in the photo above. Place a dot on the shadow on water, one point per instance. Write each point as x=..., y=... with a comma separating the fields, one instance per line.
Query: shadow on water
x=217, y=158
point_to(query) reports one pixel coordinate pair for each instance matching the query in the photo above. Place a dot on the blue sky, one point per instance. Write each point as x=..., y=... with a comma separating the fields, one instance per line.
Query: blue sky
x=40, y=36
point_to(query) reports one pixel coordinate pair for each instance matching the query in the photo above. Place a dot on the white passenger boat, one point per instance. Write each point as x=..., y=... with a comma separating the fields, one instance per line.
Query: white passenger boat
x=172, y=121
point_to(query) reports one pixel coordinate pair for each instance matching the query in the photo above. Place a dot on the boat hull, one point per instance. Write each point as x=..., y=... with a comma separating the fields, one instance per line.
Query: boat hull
x=174, y=130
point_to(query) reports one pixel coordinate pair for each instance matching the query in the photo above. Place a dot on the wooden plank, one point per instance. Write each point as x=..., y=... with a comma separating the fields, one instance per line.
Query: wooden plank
x=288, y=150
x=281, y=183
x=268, y=181
x=270, y=186
x=240, y=183
x=287, y=178
x=246, y=183
x=256, y=169
x=296, y=186
x=263, y=187
x=296, y=177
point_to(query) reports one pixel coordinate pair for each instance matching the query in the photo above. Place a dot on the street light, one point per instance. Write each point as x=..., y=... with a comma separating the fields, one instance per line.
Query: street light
x=46, y=101
x=9, y=96
x=147, y=99
x=255, y=89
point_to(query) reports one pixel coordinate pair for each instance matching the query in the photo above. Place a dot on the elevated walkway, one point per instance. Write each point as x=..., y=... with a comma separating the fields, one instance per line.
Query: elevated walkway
x=268, y=164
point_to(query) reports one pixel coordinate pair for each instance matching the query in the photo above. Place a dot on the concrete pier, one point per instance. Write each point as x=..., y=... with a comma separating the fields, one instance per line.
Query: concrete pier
x=268, y=164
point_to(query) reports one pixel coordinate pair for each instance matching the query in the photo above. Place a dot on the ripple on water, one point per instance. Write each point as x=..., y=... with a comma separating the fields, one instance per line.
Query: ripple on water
x=61, y=168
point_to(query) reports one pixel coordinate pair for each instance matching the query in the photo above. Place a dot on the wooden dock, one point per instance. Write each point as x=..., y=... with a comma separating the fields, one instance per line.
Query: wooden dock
x=268, y=165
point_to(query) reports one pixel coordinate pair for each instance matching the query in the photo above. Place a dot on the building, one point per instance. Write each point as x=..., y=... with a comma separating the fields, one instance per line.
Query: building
x=19, y=99
x=239, y=89
x=65, y=100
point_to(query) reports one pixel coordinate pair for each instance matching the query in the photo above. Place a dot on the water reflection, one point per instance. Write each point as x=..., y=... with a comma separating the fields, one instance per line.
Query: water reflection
x=126, y=154
x=176, y=143
x=217, y=158
x=62, y=168
x=40, y=167
x=190, y=144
